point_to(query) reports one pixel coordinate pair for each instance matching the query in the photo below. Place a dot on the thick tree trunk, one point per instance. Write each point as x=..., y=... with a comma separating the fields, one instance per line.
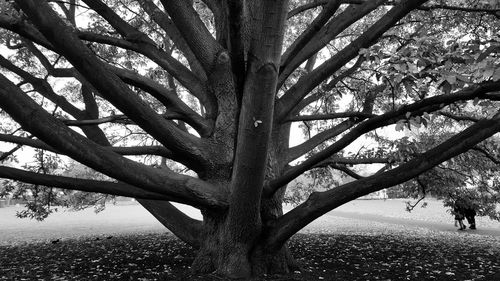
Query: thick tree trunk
x=220, y=250
x=220, y=254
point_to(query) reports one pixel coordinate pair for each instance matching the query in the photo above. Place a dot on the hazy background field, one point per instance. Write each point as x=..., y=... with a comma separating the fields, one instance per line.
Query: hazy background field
x=129, y=217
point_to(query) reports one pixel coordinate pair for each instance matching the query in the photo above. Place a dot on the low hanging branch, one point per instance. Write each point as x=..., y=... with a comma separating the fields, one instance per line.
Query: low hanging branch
x=35, y=119
x=321, y=202
x=409, y=206
x=112, y=188
x=132, y=150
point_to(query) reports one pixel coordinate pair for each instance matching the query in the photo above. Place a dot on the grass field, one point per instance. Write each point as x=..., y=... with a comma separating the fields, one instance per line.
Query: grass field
x=362, y=240
x=132, y=218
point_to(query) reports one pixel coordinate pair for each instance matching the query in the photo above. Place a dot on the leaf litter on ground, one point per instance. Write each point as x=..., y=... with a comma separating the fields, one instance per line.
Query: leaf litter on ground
x=402, y=254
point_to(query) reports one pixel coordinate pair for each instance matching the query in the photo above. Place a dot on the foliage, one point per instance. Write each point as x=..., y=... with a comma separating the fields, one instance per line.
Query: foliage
x=472, y=176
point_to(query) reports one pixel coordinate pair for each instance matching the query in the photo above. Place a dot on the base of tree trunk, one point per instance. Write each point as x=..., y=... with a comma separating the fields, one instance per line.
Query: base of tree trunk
x=217, y=254
x=238, y=264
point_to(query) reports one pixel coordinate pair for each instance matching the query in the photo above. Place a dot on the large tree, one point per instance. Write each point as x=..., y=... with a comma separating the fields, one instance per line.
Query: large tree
x=195, y=101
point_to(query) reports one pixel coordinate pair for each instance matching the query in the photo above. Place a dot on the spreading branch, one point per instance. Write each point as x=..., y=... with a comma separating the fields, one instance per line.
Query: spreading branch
x=195, y=33
x=162, y=19
x=109, y=85
x=141, y=43
x=316, y=25
x=313, y=40
x=309, y=81
x=167, y=97
x=183, y=226
x=47, y=128
x=321, y=202
x=301, y=149
x=415, y=109
x=122, y=150
x=106, y=187
x=317, y=3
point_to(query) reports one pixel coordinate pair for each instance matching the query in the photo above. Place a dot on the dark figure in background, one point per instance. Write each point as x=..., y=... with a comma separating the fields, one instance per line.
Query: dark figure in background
x=458, y=211
x=470, y=214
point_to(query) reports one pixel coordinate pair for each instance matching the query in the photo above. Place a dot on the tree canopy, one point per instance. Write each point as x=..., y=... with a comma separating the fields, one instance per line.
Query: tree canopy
x=197, y=102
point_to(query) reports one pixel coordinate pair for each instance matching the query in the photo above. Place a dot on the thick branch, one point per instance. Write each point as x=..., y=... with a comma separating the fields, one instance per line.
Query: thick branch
x=167, y=97
x=305, y=38
x=42, y=86
x=21, y=27
x=175, y=35
x=308, y=6
x=321, y=202
x=314, y=40
x=106, y=187
x=199, y=39
x=308, y=82
x=416, y=109
x=26, y=141
x=171, y=65
x=184, y=227
x=237, y=37
x=37, y=121
x=317, y=3
x=122, y=150
x=139, y=42
x=110, y=86
x=340, y=163
x=45, y=89
x=339, y=167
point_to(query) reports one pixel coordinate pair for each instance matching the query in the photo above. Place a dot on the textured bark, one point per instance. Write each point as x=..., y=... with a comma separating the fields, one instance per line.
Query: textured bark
x=223, y=252
x=219, y=253
x=180, y=224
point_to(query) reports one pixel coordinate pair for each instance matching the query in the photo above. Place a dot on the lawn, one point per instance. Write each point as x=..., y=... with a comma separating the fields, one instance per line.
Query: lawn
x=126, y=243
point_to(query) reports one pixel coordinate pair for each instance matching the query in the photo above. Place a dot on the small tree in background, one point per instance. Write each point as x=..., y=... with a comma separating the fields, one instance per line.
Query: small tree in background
x=128, y=87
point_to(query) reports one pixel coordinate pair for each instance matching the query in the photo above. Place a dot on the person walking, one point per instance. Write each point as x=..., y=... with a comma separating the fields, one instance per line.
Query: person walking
x=470, y=214
x=458, y=211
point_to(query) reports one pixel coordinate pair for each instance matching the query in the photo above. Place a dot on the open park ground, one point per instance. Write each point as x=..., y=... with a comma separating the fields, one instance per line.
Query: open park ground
x=362, y=240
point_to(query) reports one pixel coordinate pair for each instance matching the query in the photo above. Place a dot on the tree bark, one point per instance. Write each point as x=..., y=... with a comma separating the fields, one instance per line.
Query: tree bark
x=180, y=224
x=220, y=250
